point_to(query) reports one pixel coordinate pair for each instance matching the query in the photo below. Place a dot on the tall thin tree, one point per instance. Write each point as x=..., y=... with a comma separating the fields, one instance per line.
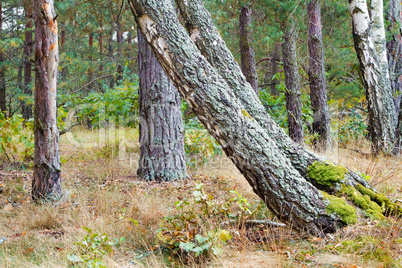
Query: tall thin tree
x=247, y=53
x=28, y=46
x=292, y=81
x=369, y=39
x=2, y=69
x=46, y=184
x=316, y=73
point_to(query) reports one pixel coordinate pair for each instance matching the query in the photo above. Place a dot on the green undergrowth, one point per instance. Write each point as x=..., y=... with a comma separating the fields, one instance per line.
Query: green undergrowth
x=374, y=205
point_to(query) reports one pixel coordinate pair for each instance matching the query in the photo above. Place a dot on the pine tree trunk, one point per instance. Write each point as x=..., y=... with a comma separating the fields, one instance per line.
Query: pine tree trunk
x=119, y=36
x=316, y=73
x=2, y=70
x=247, y=49
x=394, y=52
x=369, y=39
x=292, y=81
x=28, y=46
x=89, y=88
x=228, y=107
x=161, y=127
x=275, y=58
x=46, y=184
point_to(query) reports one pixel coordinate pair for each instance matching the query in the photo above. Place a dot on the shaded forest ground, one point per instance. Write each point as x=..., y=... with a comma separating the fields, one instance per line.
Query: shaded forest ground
x=105, y=194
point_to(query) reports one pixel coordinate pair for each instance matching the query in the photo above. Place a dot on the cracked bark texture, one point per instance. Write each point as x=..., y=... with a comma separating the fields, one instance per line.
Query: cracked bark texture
x=369, y=39
x=46, y=184
x=162, y=155
x=285, y=192
x=247, y=53
x=206, y=36
x=394, y=52
x=292, y=81
x=316, y=73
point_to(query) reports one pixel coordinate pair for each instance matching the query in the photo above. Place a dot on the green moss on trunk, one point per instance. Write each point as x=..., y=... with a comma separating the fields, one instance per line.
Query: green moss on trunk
x=338, y=206
x=326, y=174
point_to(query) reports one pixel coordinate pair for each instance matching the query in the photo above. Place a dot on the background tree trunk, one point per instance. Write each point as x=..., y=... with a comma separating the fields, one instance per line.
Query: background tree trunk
x=3, y=107
x=292, y=80
x=28, y=46
x=46, y=184
x=247, y=49
x=161, y=128
x=89, y=88
x=369, y=39
x=316, y=73
x=275, y=58
x=394, y=56
x=119, y=36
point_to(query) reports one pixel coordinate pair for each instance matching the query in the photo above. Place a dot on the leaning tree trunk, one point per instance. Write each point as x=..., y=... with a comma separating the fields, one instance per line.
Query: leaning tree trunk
x=316, y=73
x=394, y=52
x=28, y=45
x=369, y=39
x=292, y=81
x=234, y=118
x=2, y=72
x=46, y=184
x=247, y=54
x=162, y=155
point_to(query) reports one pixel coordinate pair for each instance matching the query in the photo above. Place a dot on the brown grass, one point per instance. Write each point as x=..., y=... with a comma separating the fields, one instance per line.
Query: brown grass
x=104, y=193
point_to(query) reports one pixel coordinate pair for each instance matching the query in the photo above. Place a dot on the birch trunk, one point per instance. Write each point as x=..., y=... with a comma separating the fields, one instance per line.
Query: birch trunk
x=369, y=39
x=292, y=81
x=46, y=184
x=162, y=155
x=247, y=49
x=316, y=73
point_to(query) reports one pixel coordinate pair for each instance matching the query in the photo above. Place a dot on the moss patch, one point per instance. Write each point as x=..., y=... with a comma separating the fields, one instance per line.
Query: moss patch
x=387, y=206
x=337, y=205
x=326, y=174
x=364, y=202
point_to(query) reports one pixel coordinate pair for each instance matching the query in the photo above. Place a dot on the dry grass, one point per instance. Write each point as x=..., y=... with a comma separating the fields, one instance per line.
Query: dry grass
x=101, y=183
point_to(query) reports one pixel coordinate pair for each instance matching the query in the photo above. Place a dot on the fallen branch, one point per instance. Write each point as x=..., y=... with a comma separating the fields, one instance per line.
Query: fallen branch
x=256, y=222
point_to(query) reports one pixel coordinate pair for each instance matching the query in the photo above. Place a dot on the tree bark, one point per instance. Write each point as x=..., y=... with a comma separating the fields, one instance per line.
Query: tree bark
x=275, y=58
x=119, y=36
x=90, y=67
x=316, y=73
x=161, y=127
x=369, y=39
x=28, y=46
x=235, y=117
x=3, y=107
x=394, y=52
x=292, y=81
x=247, y=49
x=46, y=184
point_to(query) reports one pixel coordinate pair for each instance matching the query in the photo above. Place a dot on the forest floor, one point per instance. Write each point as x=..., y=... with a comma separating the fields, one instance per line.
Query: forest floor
x=105, y=195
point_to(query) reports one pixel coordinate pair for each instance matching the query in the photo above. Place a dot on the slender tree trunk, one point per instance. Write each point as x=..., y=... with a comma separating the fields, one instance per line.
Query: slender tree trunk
x=394, y=52
x=275, y=58
x=292, y=80
x=161, y=128
x=28, y=46
x=46, y=184
x=247, y=49
x=316, y=73
x=90, y=58
x=110, y=52
x=369, y=39
x=2, y=70
x=119, y=34
x=234, y=117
